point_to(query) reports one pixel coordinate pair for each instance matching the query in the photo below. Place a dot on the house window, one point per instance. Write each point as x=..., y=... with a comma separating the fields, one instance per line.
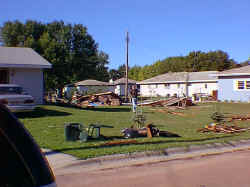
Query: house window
x=4, y=76
x=242, y=85
x=248, y=85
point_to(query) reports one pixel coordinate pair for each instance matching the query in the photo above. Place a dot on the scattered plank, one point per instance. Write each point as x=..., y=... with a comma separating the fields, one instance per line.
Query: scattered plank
x=173, y=101
x=218, y=128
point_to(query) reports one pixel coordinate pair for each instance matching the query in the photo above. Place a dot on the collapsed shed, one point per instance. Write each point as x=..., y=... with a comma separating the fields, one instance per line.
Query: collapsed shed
x=106, y=98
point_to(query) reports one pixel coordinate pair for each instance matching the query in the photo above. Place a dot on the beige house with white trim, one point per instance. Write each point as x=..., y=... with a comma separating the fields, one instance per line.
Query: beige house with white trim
x=23, y=66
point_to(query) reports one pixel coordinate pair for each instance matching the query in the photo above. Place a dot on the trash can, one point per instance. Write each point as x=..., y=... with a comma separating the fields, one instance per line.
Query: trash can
x=72, y=131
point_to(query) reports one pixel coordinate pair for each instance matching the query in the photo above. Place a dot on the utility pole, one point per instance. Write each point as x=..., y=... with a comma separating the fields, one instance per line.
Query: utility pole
x=126, y=85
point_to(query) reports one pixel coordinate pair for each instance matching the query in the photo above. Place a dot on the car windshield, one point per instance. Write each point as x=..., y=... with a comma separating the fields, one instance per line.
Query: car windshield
x=10, y=90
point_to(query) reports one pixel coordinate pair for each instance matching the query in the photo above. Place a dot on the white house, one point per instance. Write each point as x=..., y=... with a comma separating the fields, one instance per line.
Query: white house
x=89, y=86
x=179, y=84
x=23, y=66
x=120, y=85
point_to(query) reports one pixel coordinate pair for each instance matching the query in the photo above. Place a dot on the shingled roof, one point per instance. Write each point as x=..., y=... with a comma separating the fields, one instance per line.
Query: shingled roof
x=123, y=81
x=181, y=77
x=245, y=70
x=20, y=57
x=91, y=82
x=202, y=76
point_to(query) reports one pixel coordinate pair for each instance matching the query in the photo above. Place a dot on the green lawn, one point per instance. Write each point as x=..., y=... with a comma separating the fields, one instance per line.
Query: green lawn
x=46, y=124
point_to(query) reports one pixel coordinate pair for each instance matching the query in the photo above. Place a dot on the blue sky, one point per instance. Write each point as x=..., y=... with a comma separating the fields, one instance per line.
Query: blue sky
x=158, y=28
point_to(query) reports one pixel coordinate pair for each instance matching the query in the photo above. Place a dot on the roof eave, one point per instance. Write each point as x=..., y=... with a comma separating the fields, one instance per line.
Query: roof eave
x=93, y=84
x=161, y=82
x=165, y=82
x=25, y=66
x=231, y=74
x=215, y=80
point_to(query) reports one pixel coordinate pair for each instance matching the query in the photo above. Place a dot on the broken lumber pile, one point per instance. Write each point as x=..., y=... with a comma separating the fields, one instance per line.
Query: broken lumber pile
x=240, y=117
x=106, y=98
x=173, y=101
x=149, y=131
x=218, y=128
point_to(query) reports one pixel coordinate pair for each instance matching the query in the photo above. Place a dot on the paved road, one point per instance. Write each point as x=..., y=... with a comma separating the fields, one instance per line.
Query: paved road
x=226, y=170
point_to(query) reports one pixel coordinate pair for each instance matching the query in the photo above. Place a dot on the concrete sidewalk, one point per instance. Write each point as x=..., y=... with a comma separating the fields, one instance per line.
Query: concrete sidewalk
x=65, y=164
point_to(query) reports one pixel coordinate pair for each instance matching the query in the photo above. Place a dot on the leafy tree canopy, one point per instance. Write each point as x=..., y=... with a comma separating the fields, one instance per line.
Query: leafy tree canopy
x=70, y=49
x=194, y=61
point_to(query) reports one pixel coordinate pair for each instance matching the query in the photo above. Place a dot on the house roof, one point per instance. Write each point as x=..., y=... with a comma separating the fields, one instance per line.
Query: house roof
x=245, y=70
x=20, y=57
x=203, y=76
x=91, y=82
x=123, y=81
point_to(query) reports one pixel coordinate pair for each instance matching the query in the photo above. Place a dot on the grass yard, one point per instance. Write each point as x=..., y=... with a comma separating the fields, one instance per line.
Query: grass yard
x=46, y=124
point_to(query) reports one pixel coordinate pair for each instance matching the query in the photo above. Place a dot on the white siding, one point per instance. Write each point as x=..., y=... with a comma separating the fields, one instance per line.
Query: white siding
x=152, y=90
x=120, y=89
x=31, y=80
x=195, y=88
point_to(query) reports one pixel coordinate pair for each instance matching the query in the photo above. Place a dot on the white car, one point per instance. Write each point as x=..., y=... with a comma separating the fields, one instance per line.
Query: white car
x=14, y=98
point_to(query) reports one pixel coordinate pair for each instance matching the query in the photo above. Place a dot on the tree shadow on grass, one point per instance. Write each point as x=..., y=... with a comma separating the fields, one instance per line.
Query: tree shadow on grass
x=138, y=143
x=96, y=108
x=41, y=112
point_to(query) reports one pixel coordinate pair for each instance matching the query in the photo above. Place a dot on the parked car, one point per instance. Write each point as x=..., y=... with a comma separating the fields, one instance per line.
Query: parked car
x=15, y=98
x=22, y=163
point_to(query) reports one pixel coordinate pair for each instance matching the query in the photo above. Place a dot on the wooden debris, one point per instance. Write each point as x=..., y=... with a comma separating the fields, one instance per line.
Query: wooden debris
x=218, y=128
x=173, y=101
x=149, y=131
x=240, y=117
x=106, y=98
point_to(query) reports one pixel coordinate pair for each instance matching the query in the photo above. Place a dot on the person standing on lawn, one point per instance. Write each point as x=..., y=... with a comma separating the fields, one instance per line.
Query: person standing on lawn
x=134, y=95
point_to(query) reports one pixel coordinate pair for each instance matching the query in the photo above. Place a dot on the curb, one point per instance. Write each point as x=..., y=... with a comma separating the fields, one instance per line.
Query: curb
x=150, y=157
x=170, y=151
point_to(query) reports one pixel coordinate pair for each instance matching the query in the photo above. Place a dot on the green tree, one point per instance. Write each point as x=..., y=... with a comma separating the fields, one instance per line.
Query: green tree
x=114, y=74
x=134, y=73
x=122, y=70
x=70, y=49
x=1, y=37
x=194, y=61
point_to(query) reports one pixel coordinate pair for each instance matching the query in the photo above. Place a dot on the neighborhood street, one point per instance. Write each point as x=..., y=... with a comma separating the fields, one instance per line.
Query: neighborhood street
x=225, y=170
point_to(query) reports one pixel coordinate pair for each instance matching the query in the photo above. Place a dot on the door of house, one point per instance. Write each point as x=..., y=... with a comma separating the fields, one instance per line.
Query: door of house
x=215, y=94
x=4, y=76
